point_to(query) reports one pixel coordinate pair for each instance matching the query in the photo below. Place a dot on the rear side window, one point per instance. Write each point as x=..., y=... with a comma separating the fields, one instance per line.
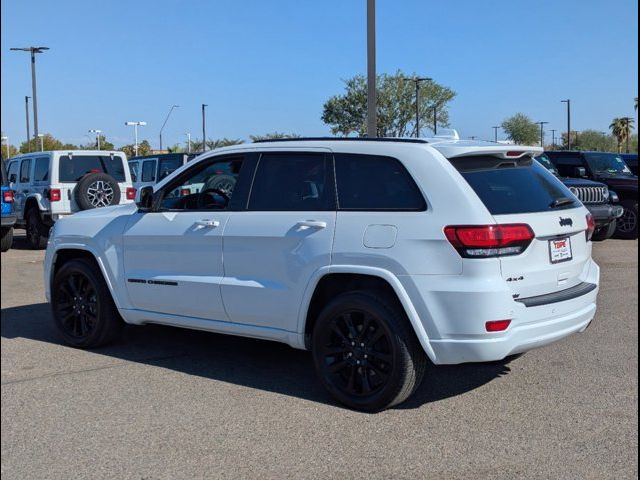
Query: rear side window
x=24, y=171
x=73, y=168
x=511, y=187
x=13, y=172
x=133, y=169
x=368, y=182
x=166, y=166
x=41, y=170
x=149, y=171
x=293, y=182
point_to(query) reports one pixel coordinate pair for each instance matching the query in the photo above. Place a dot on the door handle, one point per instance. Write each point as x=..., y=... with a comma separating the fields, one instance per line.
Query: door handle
x=208, y=223
x=312, y=224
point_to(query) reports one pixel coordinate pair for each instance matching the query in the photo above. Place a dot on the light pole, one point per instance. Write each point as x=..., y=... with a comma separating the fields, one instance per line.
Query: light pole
x=6, y=142
x=33, y=51
x=542, y=124
x=97, y=132
x=188, y=142
x=495, y=133
x=435, y=119
x=165, y=122
x=372, y=123
x=568, y=102
x=41, y=137
x=26, y=111
x=418, y=80
x=135, y=126
x=553, y=139
x=204, y=130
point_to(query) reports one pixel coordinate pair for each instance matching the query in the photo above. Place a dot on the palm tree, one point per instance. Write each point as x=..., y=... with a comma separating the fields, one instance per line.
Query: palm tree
x=635, y=104
x=620, y=129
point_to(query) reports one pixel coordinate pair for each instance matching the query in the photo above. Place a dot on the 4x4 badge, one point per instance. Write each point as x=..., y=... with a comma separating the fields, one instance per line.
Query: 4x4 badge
x=566, y=222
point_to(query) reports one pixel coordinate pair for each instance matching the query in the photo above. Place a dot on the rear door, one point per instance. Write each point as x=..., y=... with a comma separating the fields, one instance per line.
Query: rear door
x=272, y=250
x=523, y=191
x=22, y=187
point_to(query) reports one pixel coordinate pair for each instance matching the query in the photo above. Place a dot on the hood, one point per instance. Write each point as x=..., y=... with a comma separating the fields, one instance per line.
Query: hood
x=580, y=182
x=619, y=181
x=113, y=211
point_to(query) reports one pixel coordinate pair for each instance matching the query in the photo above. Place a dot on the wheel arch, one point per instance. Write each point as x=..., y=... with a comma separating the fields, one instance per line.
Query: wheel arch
x=33, y=201
x=330, y=281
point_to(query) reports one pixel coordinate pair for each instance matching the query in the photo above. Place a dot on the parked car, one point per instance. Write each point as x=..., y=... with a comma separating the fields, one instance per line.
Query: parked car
x=51, y=185
x=375, y=254
x=631, y=159
x=8, y=216
x=599, y=200
x=610, y=169
x=150, y=169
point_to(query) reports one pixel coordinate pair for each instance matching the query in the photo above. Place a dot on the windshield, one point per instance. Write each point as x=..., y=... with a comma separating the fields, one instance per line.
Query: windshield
x=546, y=163
x=607, y=163
x=74, y=167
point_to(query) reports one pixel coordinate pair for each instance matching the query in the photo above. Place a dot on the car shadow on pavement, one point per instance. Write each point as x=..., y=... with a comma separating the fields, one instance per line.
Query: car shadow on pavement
x=252, y=363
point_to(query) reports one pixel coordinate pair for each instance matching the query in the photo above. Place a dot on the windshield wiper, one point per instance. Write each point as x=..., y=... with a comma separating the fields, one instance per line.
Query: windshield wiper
x=560, y=202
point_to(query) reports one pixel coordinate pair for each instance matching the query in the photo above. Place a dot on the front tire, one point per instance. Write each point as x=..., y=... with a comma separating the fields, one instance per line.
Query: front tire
x=628, y=223
x=36, y=230
x=7, y=239
x=83, y=310
x=366, y=352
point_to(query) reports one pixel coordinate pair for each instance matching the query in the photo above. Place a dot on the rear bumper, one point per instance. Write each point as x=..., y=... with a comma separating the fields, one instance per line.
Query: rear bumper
x=605, y=214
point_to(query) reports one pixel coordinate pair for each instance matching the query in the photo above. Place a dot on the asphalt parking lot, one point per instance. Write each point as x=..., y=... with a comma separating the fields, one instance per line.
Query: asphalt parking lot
x=171, y=403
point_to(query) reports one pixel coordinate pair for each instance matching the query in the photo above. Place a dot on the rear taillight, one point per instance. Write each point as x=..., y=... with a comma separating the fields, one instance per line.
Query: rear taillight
x=497, y=325
x=184, y=192
x=591, y=226
x=7, y=197
x=55, y=195
x=131, y=193
x=485, y=241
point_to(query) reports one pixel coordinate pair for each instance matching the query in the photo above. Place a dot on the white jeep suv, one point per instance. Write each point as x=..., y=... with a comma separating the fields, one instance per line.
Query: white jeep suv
x=49, y=185
x=377, y=255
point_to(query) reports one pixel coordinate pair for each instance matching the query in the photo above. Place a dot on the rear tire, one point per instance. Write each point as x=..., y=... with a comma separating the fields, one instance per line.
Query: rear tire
x=7, y=239
x=605, y=233
x=36, y=230
x=366, y=352
x=83, y=310
x=628, y=223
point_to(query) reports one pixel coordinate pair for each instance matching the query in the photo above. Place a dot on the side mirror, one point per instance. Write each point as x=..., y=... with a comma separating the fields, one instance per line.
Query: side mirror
x=145, y=198
x=580, y=172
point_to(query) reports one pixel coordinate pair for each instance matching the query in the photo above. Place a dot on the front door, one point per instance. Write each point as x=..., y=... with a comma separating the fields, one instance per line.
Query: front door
x=173, y=254
x=272, y=249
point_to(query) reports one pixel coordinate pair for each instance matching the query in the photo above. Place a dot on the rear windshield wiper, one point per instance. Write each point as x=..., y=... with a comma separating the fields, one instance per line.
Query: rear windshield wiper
x=561, y=202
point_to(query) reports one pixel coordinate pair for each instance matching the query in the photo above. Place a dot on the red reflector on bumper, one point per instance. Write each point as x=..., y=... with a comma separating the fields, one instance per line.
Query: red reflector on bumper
x=497, y=325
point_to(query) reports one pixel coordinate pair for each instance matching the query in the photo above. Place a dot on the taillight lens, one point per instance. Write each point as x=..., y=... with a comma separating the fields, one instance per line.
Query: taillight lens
x=497, y=325
x=485, y=241
x=591, y=226
x=7, y=197
x=131, y=193
x=55, y=195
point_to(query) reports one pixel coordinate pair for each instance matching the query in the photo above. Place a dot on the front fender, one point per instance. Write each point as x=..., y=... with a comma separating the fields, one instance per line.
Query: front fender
x=389, y=277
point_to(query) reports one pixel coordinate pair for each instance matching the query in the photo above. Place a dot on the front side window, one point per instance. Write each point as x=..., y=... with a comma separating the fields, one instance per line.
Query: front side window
x=41, y=169
x=73, y=167
x=607, y=164
x=133, y=169
x=149, y=171
x=375, y=183
x=24, y=171
x=208, y=186
x=292, y=182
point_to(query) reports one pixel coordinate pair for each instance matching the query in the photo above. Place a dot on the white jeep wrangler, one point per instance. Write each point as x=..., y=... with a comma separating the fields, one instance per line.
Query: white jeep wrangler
x=49, y=185
x=377, y=255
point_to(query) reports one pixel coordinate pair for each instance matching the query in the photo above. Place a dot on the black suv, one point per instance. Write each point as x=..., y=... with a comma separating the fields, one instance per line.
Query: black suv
x=596, y=196
x=610, y=169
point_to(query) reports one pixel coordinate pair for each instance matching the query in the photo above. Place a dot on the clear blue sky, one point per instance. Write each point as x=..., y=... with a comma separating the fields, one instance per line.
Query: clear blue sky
x=269, y=65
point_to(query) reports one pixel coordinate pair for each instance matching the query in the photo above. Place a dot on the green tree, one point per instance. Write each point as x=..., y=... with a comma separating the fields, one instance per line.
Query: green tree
x=212, y=144
x=396, y=101
x=104, y=145
x=621, y=129
x=273, y=136
x=49, y=142
x=13, y=151
x=521, y=130
x=177, y=148
x=144, y=148
x=591, y=140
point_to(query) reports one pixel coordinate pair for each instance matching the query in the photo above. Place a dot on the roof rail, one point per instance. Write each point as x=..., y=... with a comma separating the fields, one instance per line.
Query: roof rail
x=343, y=139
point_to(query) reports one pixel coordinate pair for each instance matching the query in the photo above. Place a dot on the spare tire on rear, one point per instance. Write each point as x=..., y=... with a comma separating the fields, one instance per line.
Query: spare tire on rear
x=96, y=190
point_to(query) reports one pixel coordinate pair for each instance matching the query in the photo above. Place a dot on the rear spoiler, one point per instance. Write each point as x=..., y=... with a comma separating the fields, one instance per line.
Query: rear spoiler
x=511, y=152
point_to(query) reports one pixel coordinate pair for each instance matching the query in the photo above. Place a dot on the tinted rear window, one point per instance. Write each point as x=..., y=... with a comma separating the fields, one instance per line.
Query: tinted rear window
x=511, y=187
x=75, y=167
x=166, y=166
x=369, y=182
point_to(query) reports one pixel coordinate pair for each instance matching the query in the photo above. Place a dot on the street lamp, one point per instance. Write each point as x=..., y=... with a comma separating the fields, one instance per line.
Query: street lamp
x=135, y=126
x=495, y=133
x=568, y=102
x=418, y=80
x=26, y=111
x=6, y=142
x=204, y=132
x=188, y=142
x=553, y=138
x=165, y=122
x=372, y=123
x=33, y=51
x=41, y=137
x=97, y=132
x=542, y=124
